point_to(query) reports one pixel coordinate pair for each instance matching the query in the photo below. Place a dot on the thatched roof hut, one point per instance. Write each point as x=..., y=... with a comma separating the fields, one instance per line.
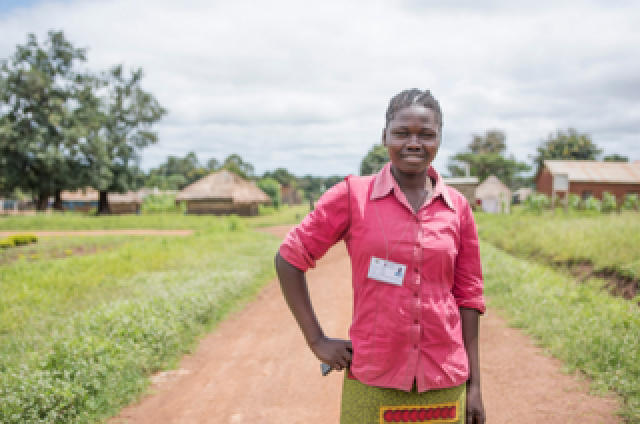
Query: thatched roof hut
x=223, y=193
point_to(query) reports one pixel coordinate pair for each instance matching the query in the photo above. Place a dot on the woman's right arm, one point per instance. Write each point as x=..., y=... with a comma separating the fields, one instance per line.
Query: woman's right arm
x=334, y=352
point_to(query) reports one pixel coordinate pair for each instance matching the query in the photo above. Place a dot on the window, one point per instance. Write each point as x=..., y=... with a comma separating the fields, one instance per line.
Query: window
x=586, y=194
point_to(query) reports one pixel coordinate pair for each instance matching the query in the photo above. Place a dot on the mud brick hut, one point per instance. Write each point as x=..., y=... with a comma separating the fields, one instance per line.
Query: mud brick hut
x=493, y=196
x=223, y=193
x=465, y=185
x=591, y=178
x=87, y=199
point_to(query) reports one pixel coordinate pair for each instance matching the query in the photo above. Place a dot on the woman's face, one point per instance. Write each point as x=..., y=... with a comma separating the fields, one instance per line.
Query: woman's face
x=412, y=139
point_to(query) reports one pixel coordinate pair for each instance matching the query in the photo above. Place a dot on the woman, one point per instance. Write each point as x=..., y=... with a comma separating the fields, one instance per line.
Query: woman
x=417, y=281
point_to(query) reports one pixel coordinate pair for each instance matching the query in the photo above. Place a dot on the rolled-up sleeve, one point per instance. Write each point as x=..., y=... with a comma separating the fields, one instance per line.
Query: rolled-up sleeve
x=468, y=284
x=319, y=230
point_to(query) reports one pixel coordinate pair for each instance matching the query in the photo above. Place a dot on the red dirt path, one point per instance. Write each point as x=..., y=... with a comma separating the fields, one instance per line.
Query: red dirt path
x=256, y=368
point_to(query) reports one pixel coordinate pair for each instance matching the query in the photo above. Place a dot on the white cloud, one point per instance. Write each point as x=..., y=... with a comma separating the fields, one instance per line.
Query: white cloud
x=305, y=85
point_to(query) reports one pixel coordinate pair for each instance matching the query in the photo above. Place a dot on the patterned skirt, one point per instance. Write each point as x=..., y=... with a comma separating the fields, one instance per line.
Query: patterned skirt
x=362, y=404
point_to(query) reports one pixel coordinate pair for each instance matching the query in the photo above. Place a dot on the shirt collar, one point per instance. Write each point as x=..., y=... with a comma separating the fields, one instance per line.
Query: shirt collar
x=384, y=183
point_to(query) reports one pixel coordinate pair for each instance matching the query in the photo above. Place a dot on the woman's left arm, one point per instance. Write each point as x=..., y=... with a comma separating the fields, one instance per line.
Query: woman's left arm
x=475, y=408
x=468, y=291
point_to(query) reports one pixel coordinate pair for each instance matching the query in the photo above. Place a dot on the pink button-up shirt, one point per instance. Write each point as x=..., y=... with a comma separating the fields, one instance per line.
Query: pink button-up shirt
x=413, y=331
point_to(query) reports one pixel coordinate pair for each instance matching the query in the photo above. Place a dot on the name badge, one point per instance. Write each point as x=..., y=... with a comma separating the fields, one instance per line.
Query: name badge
x=386, y=271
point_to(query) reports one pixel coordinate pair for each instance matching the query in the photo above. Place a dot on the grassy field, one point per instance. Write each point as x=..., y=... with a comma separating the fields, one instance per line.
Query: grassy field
x=79, y=335
x=590, y=331
x=610, y=242
x=69, y=221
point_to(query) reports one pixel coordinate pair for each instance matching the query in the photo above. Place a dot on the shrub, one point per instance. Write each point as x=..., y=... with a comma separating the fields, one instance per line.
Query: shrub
x=592, y=204
x=537, y=202
x=272, y=188
x=6, y=243
x=608, y=203
x=161, y=203
x=631, y=202
x=23, y=239
x=574, y=201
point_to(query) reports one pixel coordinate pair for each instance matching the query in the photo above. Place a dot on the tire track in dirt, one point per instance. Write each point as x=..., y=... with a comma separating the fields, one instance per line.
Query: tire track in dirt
x=256, y=368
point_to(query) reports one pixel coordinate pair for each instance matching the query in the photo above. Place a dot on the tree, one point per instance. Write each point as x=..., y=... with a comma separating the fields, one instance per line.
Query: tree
x=129, y=112
x=569, y=145
x=483, y=165
x=234, y=163
x=272, y=188
x=282, y=176
x=616, y=158
x=485, y=157
x=45, y=116
x=374, y=160
x=213, y=164
x=494, y=141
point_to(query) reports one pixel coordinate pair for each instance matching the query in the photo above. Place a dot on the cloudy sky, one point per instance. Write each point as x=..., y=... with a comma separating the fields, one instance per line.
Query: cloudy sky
x=304, y=85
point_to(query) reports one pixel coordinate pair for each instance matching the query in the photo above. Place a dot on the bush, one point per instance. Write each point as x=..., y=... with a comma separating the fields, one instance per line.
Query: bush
x=6, y=243
x=162, y=203
x=575, y=201
x=272, y=188
x=537, y=202
x=608, y=203
x=21, y=239
x=593, y=204
x=631, y=202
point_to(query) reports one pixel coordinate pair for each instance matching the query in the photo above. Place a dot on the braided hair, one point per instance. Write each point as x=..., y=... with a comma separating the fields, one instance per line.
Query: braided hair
x=410, y=97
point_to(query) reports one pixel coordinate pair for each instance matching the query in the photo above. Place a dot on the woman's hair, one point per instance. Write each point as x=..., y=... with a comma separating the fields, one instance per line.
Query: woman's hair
x=410, y=97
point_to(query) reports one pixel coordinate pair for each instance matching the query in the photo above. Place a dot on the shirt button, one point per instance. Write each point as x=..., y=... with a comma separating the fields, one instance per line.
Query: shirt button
x=415, y=321
x=415, y=270
x=415, y=294
x=415, y=346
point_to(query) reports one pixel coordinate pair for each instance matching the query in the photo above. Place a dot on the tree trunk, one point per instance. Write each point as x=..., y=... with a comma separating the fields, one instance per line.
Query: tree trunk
x=103, y=203
x=42, y=201
x=57, y=202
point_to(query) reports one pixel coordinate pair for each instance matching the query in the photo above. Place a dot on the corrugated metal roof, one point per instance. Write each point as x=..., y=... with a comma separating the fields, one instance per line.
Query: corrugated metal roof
x=460, y=180
x=596, y=172
x=224, y=185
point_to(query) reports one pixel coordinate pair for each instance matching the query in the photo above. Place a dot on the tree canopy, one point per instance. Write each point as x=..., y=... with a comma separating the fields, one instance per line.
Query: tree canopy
x=566, y=145
x=66, y=129
x=374, y=160
x=485, y=157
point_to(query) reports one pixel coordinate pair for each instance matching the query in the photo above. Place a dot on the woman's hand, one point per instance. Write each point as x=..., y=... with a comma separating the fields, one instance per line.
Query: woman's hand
x=334, y=352
x=475, y=409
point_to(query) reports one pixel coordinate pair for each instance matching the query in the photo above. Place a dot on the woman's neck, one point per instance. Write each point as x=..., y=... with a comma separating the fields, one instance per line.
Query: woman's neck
x=413, y=182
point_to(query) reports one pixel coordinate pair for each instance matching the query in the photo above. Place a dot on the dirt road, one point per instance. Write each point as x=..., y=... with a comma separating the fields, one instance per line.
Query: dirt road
x=256, y=368
x=101, y=233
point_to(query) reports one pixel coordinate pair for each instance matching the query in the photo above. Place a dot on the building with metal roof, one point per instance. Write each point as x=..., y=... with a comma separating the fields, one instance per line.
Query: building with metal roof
x=590, y=178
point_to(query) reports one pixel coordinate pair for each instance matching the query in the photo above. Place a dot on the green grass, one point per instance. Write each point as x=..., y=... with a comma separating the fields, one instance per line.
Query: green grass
x=608, y=242
x=590, y=331
x=79, y=336
x=76, y=221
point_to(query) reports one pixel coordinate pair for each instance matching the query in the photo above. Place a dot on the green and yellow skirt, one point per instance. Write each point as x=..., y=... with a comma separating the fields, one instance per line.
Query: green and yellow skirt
x=362, y=404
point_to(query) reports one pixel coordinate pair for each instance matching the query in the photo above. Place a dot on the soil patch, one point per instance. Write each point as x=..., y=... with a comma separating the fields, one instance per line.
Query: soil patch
x=616, y=283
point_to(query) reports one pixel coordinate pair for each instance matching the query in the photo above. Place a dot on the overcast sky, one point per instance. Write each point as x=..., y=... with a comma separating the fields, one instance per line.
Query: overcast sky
x=304, y=85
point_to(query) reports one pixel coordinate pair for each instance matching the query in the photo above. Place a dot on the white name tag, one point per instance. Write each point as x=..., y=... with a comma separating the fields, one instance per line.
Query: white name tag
x=386, y=271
